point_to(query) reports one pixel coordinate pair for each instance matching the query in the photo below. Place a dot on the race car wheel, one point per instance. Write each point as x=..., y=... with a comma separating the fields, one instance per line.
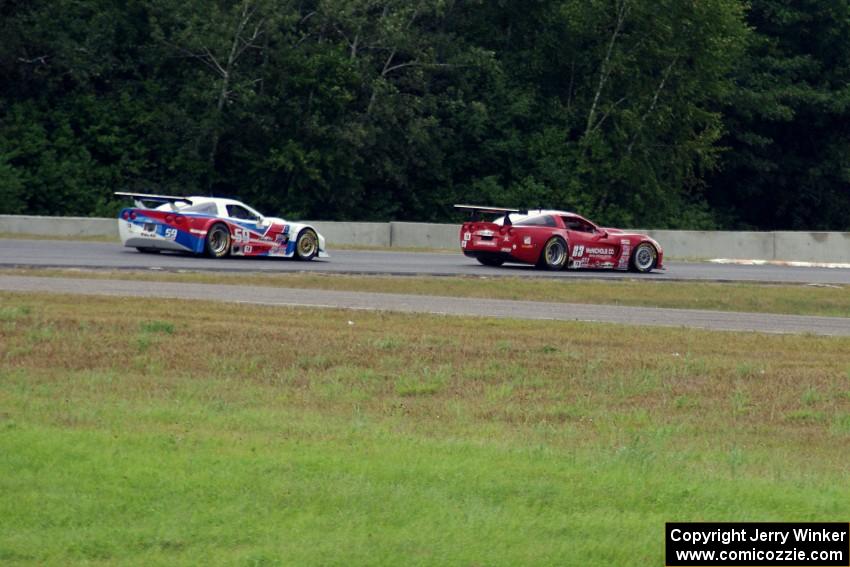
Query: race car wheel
x=148, y=250
x=554, y=255
x=306, y=245
x=643, y=258
x=218, y=241
x=495, y=262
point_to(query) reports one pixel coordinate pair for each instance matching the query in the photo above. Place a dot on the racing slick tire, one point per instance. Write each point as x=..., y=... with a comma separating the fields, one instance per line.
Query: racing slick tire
x=148, y=250
x=218, y=241
x=554, y=255
x=307, y=245
x=643, y=258
x=494, y=262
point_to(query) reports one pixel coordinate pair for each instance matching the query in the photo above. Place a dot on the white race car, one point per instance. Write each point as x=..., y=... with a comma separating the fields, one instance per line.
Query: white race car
x=213, y=226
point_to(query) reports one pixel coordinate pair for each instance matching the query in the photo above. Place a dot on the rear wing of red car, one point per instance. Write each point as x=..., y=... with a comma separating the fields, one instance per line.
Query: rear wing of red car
x=476, y=210
x=140, y=198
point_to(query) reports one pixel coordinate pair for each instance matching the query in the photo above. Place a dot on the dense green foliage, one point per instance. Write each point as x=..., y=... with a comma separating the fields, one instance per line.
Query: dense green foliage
x=664, y=113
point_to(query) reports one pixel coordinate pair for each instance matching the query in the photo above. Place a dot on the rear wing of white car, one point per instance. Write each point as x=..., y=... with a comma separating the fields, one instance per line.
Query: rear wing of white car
x=140, y=198
x=476, y=210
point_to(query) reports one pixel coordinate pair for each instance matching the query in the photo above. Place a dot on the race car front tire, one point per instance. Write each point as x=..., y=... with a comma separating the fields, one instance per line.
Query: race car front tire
x=494, y=262
x=554, y=255
x=307, y=245
x=643, y=258
x=218, y=241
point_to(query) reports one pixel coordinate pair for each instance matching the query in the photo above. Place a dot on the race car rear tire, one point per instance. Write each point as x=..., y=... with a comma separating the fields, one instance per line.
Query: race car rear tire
x=148, y=250
x=307, y=245
x=218, y=241
x=494, y=262
x=554, y=255
x=643, y=258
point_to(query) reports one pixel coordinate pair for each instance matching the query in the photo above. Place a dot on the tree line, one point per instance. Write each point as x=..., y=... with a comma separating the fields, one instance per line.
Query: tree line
x=645, y=113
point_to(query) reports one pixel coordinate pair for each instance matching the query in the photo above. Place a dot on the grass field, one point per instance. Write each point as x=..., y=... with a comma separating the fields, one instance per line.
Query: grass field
x=832, y=300
x=141, y=432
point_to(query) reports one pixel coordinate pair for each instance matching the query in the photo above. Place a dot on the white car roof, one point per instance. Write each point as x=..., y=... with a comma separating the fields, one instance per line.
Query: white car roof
x=197, y=200
x=219, y=202
x=540, y=212
x=532, y=213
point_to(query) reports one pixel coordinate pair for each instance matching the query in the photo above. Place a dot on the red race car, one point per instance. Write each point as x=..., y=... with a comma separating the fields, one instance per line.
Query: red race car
x=554, y=240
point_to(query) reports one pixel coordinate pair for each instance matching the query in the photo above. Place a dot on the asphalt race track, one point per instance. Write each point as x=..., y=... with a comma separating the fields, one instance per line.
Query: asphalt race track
x=107, y=256
x=535, y=310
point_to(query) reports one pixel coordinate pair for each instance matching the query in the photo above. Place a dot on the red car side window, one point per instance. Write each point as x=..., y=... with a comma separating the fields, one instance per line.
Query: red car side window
x=579, y=225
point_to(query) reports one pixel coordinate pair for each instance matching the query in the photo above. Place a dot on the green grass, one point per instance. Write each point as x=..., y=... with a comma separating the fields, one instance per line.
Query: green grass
x=831, y=300
x=248, y=435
